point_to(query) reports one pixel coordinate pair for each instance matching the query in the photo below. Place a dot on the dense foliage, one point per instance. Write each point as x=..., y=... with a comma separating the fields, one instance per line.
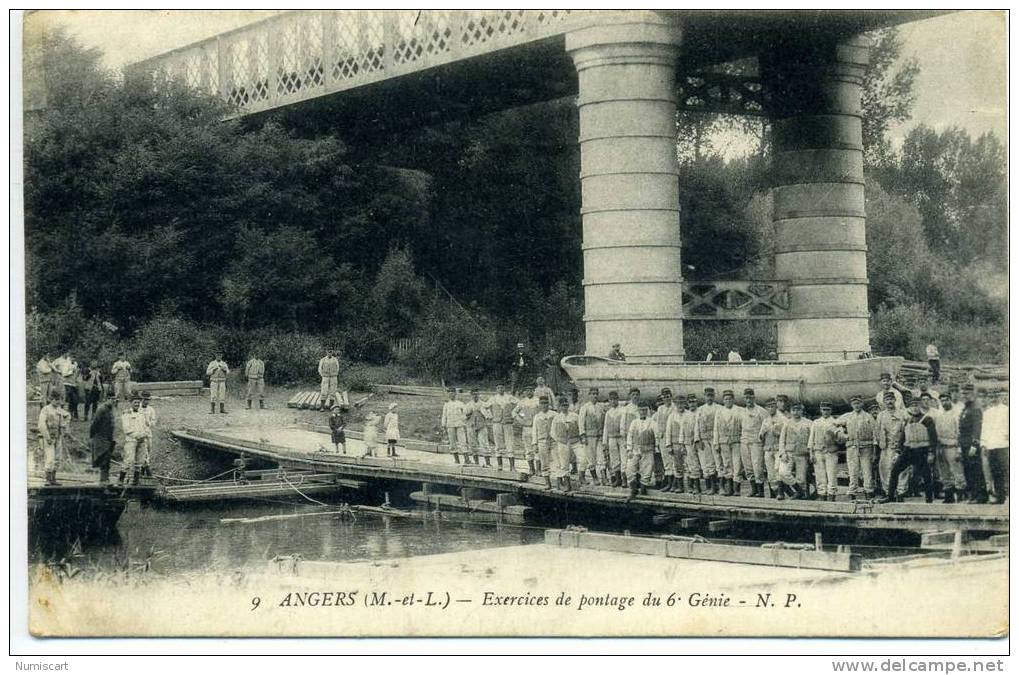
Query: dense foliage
x=188, y=233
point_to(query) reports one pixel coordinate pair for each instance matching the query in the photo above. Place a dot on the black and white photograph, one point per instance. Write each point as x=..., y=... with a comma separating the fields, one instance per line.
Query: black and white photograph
x=520, y=323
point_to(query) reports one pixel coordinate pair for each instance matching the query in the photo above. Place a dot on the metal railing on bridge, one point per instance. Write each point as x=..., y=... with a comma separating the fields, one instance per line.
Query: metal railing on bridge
x=299, y=55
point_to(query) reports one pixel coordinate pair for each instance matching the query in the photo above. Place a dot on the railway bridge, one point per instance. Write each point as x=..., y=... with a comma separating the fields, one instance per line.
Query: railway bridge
x=629, y=71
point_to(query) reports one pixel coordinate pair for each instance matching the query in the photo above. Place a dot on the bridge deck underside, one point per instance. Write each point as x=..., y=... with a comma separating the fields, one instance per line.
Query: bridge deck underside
x=301, y=448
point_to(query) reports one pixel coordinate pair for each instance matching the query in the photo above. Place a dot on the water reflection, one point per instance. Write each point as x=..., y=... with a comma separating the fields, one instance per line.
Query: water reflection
x=196, y=540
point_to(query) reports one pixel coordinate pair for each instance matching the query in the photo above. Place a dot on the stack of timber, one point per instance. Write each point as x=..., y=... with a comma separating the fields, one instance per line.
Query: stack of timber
x=272, y=483
x=991, y=376
x=312, y=400
x=174, y=388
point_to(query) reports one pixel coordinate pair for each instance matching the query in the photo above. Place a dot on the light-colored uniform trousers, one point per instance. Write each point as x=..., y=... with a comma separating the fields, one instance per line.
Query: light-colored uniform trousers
x=825, y=466
x=860, y=461
x=884, y=469
x=565, y=452
x=122, y=389
x=704, y=451
x=543, y=447
x=217, y=391
x=527, y=438
x=752, y=456
x=256, y=387
x=51, y=450
x=477, y=440
x=727, y=456
x=328, y=387
x=591, y=455
x=642, y=463
x=502, y=433
x=616, y=450
x=950, y=466
x=131, y=451
x=457, y=437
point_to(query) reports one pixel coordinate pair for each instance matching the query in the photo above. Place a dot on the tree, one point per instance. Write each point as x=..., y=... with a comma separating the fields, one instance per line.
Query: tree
x=399, y=296
x=888, y=92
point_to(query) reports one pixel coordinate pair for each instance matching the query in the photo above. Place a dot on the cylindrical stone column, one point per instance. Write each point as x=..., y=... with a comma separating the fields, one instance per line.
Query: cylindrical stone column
x=820, y=248
x=633, y=286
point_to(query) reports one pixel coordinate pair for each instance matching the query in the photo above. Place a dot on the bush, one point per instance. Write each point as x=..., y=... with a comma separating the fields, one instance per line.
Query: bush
x=454, y=349
x=168, y=348
x=363, y=377
x=905, y=330
x=289, y=357
x=752, y=339
x=367, y=343
x=66, y=328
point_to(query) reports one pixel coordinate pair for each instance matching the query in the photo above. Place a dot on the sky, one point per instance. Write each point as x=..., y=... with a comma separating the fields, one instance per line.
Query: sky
x=962, y=56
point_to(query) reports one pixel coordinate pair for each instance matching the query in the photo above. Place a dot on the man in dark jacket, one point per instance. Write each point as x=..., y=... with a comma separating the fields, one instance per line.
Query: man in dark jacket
x=100, y=433
x=518, y=370
x=970, y=424
x=93, y=383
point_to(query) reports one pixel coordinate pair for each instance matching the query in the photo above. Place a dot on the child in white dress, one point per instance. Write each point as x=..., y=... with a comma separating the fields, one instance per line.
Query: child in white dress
x=371, y=434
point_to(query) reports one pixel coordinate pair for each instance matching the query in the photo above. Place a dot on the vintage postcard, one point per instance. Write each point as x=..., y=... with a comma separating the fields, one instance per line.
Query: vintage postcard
x=522, y=323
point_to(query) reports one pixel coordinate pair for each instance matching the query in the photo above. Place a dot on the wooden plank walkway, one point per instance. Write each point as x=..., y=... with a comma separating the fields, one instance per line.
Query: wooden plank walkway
x=298, y=447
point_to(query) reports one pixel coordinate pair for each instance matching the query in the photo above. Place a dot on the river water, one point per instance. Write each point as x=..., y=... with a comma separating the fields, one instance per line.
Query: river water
x=243, y=537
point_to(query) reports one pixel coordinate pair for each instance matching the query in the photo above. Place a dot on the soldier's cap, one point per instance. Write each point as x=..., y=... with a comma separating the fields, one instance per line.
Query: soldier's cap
x=592, y=390
x=613, y=394
x=873, y=406
x=914, y=405
x=889, y=395
x=146, y=394
x=856, y=397
x=982, y=390
x=926, y=395
x=543, y=399
x=945, y=397
x=748, y=392
x=666, y=390
x=886, y=376
x=953, y=386
x=634, y=390
x=968, y=387
x=54, y=396
x=825, y=404
x=709, y=390
x=136, y=397
x=691, y=397
x=659, y=399
x=564, y=401
x=782, y=397
x=771, y=402
x=335, y=407
x=923, y=386
x=796, y=405
x=727, y=392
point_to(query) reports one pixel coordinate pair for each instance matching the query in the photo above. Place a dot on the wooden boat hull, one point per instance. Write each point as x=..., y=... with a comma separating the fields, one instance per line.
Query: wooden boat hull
x=811, y=383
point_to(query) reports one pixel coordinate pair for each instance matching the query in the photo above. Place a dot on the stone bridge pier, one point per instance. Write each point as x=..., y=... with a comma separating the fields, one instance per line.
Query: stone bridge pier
x=633, y=284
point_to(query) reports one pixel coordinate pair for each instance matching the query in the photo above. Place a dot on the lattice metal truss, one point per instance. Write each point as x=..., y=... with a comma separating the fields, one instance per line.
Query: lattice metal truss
x=731, y=300
x=302, y=54
x=723, y=93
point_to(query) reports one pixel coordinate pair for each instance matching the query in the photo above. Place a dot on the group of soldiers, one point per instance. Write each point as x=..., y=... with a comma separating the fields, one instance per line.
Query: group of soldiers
x=954, y=444
x=137, y=424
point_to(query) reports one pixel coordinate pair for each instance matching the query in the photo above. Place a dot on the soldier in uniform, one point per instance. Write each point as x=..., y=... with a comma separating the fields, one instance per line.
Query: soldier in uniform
x=704, y=437
x=523, y=415
x=890, y=422
x=518, y=371
x=44, y=378
x=501, y=406
x=614, y=438
x=861, y=432
x=454, y=421
x=665, y=465
x=121, y=372
x=694, y=468
x=919, y=440
x=752, y=418
x=771, y=430
x=566, y=435
x=726, y=434
x=135, y=426
x=53, y=423
x=100, y=433
x=254, y=370
x=641, y=441
x=329, y=371
x=217, y=371
x=541, y=432
x=970, y=422
x=994, y=444
x=93, y=383
x=478, y=413
x=794, y=441
x=949, y=454
x=541, y=389
x=145, y=446
x=591, y=422
x=823, y=446
x=675, y=449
